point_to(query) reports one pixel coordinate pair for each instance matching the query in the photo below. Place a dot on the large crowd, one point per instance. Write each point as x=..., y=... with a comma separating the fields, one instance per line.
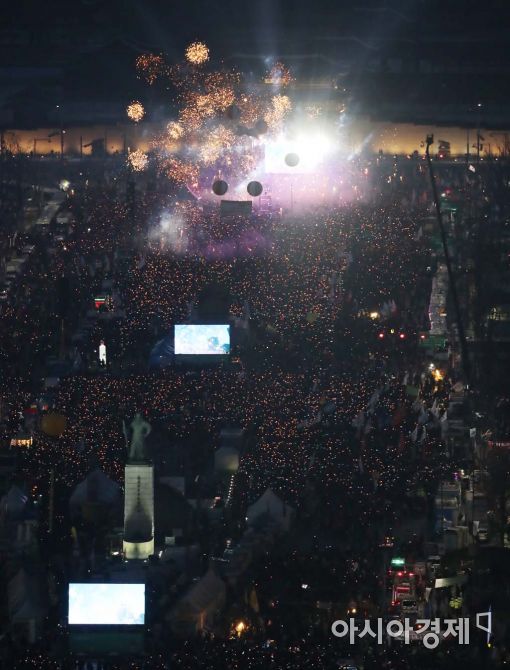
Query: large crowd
x=304, y=289
x=321, y=382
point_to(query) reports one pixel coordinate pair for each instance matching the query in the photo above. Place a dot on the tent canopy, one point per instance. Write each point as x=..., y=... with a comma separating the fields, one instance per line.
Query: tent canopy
x=95, y=488
x=210, y=590
x=271, y=505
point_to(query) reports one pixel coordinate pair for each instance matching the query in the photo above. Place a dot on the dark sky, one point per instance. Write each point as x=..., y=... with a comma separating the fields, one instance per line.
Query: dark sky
x=95, y=42
x=265, y=27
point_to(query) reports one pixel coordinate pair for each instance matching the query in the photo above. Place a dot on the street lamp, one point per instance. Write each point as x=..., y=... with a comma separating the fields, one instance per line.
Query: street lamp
x=54, y=134
x=451, y=277
x=61, y=131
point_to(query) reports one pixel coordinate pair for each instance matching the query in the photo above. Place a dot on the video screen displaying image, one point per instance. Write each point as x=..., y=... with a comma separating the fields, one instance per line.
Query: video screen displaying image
x=103, y=604
x=202, y=339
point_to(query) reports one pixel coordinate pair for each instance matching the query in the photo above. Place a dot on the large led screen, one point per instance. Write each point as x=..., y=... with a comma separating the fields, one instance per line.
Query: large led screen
x=202, y=339
x=103, y=604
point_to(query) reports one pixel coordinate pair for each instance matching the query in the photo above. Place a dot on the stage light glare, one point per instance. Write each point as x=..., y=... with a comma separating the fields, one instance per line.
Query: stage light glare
x=312, y=149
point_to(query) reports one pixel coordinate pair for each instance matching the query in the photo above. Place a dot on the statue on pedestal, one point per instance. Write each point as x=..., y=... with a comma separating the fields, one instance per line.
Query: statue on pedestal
x=135, y=435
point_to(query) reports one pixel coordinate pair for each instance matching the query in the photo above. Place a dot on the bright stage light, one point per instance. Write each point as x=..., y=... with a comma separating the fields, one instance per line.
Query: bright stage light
x=312, y=149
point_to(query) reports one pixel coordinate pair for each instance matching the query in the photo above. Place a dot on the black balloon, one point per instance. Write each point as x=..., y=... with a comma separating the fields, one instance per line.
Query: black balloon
x=220, y=187
x=254, y=188
x=292, y=160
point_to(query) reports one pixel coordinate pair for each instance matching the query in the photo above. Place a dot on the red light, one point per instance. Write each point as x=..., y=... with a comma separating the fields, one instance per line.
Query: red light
x=402, y=336
x=381, y=336
x=399, y=574
x=411, y=574
x=422, y=337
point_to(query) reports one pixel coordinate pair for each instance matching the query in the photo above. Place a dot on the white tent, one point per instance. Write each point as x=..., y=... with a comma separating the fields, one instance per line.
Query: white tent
x=269, y=504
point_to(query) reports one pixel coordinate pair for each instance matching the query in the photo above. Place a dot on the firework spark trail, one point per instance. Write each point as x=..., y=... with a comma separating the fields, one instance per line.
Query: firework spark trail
x=150, y=67
x=281, y=106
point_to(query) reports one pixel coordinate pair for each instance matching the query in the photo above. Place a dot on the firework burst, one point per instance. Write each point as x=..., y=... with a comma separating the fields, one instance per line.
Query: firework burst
x=219, y=140
x=197, y=53
x=137, y=160
x=135, y=111
x=279, y=75
x=180, y=171
x=280, y=107
x=150, y=67
x=219, y=120
x=175, y=130
x=251, y=109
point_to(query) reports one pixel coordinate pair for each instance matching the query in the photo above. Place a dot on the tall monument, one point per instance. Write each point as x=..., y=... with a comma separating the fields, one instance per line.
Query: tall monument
x=138, y=492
